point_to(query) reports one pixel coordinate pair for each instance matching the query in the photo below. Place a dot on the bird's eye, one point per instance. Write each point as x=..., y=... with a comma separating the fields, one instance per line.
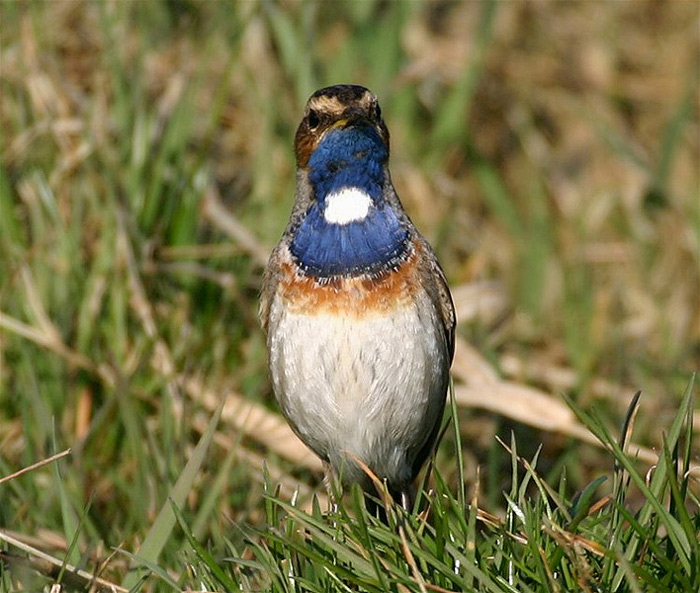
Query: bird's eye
x=378, y=111
x=313, y=119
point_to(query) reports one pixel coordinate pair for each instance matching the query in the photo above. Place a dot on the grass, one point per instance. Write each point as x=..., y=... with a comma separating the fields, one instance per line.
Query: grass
x=544, y=542
x=550, y=154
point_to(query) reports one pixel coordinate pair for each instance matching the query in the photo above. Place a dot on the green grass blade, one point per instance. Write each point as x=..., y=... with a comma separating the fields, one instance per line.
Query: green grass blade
x=152, y=566
x=162, y=527
x=71, y=522
x=201, y=552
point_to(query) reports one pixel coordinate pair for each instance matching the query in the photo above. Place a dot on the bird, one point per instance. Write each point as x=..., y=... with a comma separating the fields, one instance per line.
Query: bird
x=358, y=315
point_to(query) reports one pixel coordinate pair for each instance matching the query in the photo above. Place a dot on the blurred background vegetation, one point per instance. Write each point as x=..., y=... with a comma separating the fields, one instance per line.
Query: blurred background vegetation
x=548, y=150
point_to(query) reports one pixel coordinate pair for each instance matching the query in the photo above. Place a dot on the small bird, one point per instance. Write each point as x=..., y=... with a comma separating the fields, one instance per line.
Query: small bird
x=359, y=318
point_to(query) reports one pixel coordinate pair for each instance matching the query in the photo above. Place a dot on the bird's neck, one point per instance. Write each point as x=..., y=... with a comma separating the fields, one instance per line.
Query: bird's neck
x=350, y=228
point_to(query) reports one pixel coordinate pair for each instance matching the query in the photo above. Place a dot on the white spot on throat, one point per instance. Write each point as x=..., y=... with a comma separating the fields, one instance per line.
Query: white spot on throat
x=347, y=205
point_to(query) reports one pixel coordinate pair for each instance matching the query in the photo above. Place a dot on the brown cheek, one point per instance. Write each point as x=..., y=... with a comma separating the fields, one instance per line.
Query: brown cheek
x=303, y=144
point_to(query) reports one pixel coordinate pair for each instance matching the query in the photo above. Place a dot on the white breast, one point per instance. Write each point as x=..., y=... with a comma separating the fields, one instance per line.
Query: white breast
x=372, y=386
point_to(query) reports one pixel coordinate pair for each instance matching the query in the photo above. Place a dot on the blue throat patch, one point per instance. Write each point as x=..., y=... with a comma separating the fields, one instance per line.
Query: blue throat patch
x=349, y=157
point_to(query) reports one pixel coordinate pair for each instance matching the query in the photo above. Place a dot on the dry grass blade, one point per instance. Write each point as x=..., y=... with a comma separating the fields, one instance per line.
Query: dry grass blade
x=556, y=377
x=51, y=567
x=254, y=421
x=519, y=402
x=470, y=367
x=162, y=360
x=34, y=466
x=486, y=301
x=554, y=586
x=538, y=409
x=56, y=346
x=408, y=555
x=378, y=484
x=214, y=210
x=524, y=404
x=259, y=463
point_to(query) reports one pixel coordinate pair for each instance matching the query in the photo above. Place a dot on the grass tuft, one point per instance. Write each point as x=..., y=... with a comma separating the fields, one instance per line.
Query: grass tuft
x=545, y=541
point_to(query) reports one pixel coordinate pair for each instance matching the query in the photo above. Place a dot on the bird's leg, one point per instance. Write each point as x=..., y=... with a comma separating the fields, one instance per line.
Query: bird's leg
x=407, y=497
x=329, y=482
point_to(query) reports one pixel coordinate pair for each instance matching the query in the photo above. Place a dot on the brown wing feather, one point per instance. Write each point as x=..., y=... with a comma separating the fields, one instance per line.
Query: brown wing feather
x=434, y=281
x=270, y=281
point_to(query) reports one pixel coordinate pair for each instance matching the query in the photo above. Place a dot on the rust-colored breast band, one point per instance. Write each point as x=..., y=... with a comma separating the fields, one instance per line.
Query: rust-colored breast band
x=357, y=296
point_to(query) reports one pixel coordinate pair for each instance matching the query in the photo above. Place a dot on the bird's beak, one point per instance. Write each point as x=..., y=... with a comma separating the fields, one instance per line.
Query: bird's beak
x=351, y=117
x=341, y=123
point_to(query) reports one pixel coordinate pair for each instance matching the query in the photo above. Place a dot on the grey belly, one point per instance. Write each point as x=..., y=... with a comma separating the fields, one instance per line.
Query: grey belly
x=372, y=387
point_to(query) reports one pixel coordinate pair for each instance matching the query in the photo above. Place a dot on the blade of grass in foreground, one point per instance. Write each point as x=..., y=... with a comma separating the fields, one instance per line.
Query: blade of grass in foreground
x=643, y=539
x=162, y=527
x=71, y=522
x=203, y=554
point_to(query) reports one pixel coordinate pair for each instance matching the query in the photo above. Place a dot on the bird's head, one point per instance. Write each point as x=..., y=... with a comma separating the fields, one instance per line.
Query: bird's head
x=342, y=148
x=340, y=122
